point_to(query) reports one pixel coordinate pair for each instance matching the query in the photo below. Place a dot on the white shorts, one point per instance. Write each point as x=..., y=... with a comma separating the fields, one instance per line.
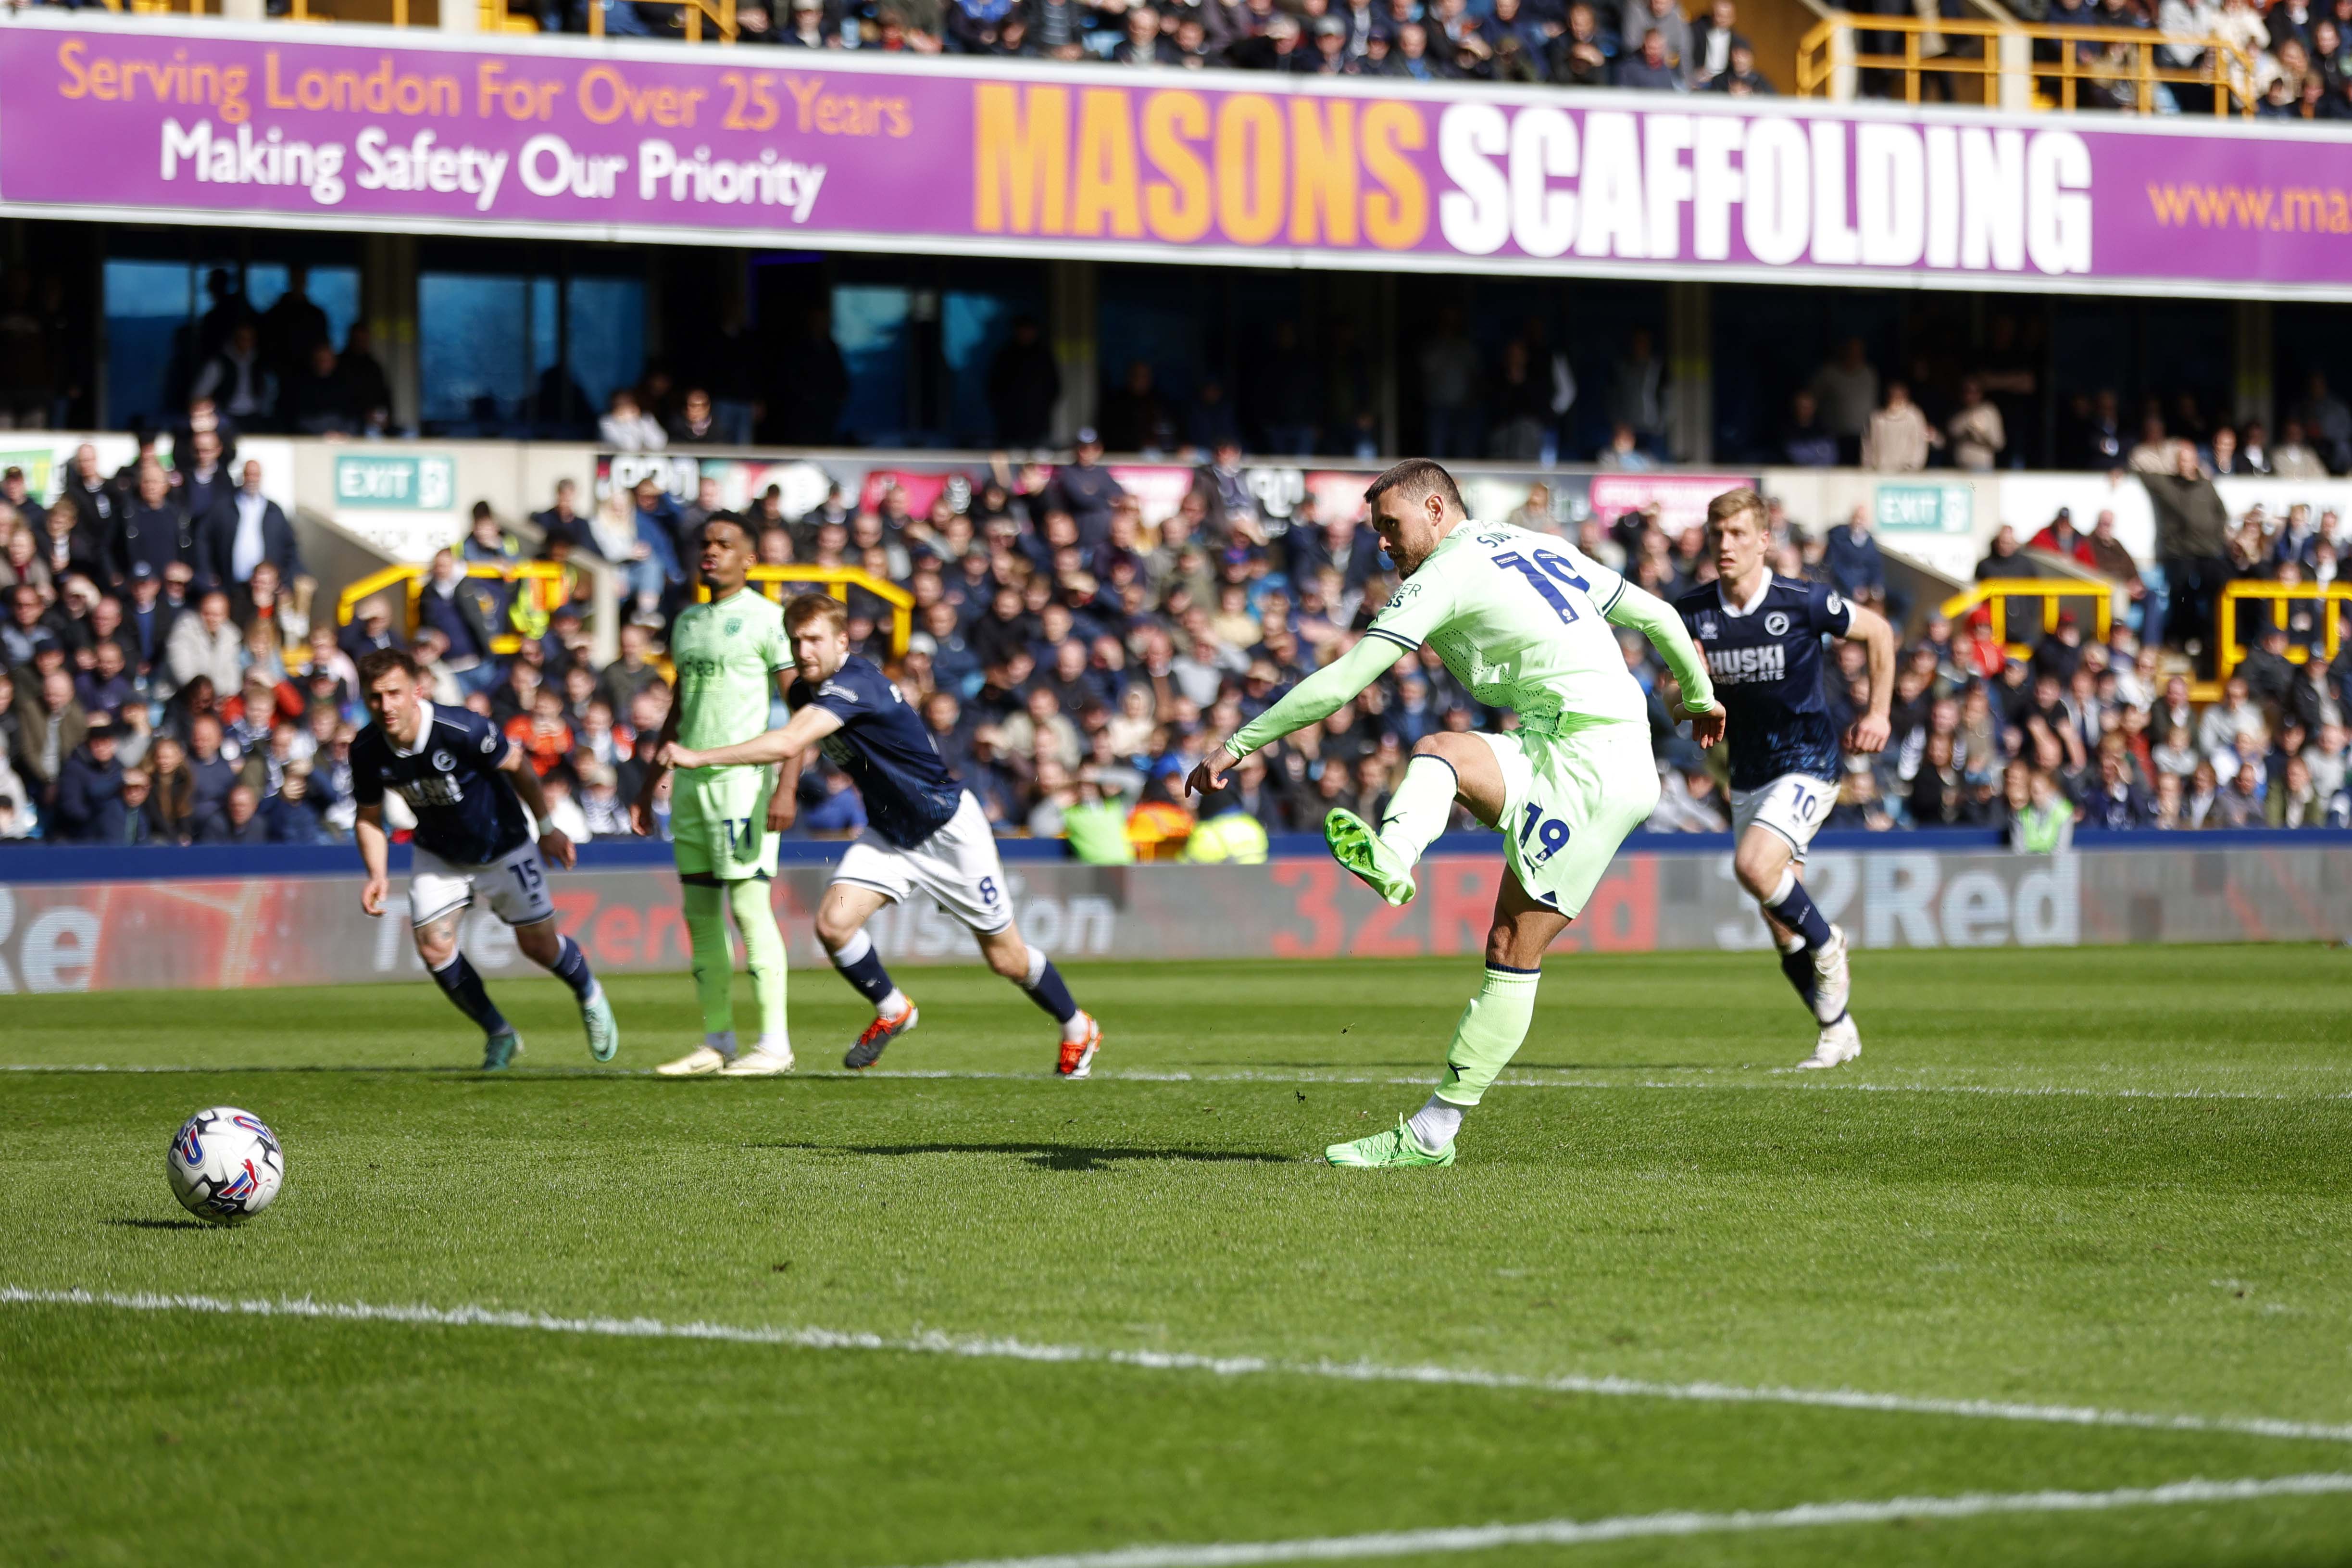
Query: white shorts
x=1793, y=805
x=1569, y=801
x=514, y=887
x=956, y=867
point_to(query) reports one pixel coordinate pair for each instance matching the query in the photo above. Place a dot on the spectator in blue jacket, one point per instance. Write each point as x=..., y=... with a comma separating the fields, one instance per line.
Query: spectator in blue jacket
x=1856, y=568
x=466, y=611
x=90, y=807
x=2115, y=801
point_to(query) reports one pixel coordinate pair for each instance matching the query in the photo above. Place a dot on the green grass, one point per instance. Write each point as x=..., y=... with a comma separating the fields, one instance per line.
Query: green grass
x=2109, y=1178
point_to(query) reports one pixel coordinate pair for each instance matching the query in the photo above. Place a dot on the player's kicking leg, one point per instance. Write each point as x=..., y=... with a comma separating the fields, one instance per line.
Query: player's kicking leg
x=1491, y=1028
x=1485, y=1038
x=1419, y=807
x=1571, y=799
x=1774, y=825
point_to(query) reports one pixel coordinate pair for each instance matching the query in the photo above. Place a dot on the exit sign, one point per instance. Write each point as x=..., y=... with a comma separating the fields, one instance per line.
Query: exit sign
x=395, y=481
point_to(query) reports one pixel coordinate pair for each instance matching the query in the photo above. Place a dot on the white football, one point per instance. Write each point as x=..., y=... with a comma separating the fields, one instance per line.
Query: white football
x=225, y=1165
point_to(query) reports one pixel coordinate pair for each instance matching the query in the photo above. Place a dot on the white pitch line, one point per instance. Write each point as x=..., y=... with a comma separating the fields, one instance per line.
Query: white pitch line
x=1630, y=1527
x=1793, y=1082
x=978, y=1348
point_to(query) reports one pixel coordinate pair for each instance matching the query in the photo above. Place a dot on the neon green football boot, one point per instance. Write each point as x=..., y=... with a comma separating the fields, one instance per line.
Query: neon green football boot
x=1387, y=1149
x=1356, y=847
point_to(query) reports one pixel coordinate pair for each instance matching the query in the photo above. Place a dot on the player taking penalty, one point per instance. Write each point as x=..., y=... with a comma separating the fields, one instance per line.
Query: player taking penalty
x=724, y=819
x=1523, y=621
x=1762, y=635
x=925, y=833
x=468, y=786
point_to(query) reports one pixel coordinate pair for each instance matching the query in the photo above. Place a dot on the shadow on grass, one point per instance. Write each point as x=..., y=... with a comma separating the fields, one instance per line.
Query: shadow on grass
x=1044, y=1156
x=162, y=1224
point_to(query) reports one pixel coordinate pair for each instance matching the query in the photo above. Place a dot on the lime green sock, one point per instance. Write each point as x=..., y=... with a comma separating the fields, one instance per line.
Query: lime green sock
x=1419, y=807
x=714, y=965
x=763, y=954
x=1489, y=1033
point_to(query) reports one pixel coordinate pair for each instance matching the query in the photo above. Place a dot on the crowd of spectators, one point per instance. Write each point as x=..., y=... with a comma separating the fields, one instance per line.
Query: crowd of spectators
x=2292, y=60
x=1072, y=658
x=161, y=680
x=1578, y=43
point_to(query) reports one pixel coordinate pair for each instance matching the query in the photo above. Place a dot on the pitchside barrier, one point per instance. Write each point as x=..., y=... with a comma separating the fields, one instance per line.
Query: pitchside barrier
x=81, y=919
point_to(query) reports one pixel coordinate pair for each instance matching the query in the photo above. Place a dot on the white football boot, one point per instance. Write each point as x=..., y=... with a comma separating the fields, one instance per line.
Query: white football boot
x=1833, y=982
x=696, y=1063
x=1840, y=1043
x=760, y=1061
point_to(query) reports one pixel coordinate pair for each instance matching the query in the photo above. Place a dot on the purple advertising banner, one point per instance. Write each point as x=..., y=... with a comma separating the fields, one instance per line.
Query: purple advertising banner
x=372, y=128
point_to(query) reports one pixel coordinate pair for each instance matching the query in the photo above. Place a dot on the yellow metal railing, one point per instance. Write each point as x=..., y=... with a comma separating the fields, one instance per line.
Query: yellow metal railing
x=721, y=12
x=838, y=581
x=2230, y=655
x=409, y=580
x=2127, y=58
x=2051, y=592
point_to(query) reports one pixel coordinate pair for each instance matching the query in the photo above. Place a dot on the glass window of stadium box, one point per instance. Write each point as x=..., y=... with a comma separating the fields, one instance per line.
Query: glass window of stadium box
x=917, y=334
x=525, y=341
x=171, y=296
x=1443, y=326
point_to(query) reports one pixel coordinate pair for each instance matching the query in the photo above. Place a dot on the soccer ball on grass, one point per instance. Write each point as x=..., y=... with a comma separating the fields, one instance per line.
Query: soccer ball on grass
x=225, y=1166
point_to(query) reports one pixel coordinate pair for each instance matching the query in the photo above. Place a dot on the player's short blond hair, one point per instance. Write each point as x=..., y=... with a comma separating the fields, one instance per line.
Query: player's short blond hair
x=802, y=608
x=1730, y=504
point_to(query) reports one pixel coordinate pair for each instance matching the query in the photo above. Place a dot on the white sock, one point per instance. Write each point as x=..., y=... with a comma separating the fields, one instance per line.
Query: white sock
x=723, y=1041
x=1419, y=806
x=1793, y=943
x=1435, y=1124
x=776, y=1045
x=893, y=1004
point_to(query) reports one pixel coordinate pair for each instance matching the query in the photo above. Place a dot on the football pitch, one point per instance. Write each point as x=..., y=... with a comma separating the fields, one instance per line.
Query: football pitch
x=2058, y=1272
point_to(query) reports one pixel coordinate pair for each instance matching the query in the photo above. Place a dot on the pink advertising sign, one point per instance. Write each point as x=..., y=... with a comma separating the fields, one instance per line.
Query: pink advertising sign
x=372, y=128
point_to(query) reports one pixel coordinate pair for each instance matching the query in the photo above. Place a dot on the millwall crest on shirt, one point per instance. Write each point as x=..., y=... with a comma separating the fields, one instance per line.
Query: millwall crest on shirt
x=1776, y=625
x=443, y=761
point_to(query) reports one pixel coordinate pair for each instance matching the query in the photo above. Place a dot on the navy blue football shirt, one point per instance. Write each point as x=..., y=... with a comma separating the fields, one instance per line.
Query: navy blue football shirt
x=1766, y=661
x=908, y=792
x=466, y=811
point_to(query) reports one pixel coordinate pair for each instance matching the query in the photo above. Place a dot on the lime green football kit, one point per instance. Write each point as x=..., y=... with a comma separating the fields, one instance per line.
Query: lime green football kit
x=1525, y=622
x=728, y=653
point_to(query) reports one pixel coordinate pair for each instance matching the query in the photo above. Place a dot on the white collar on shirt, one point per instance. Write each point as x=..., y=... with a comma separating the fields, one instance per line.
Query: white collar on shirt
x=424, y=733
x=1736, y=611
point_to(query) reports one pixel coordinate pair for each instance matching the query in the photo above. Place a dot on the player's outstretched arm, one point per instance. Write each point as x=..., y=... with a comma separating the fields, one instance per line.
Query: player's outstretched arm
x=1656, y=620
x=1310, y=702
x=807, y=727
x=1867, y=627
